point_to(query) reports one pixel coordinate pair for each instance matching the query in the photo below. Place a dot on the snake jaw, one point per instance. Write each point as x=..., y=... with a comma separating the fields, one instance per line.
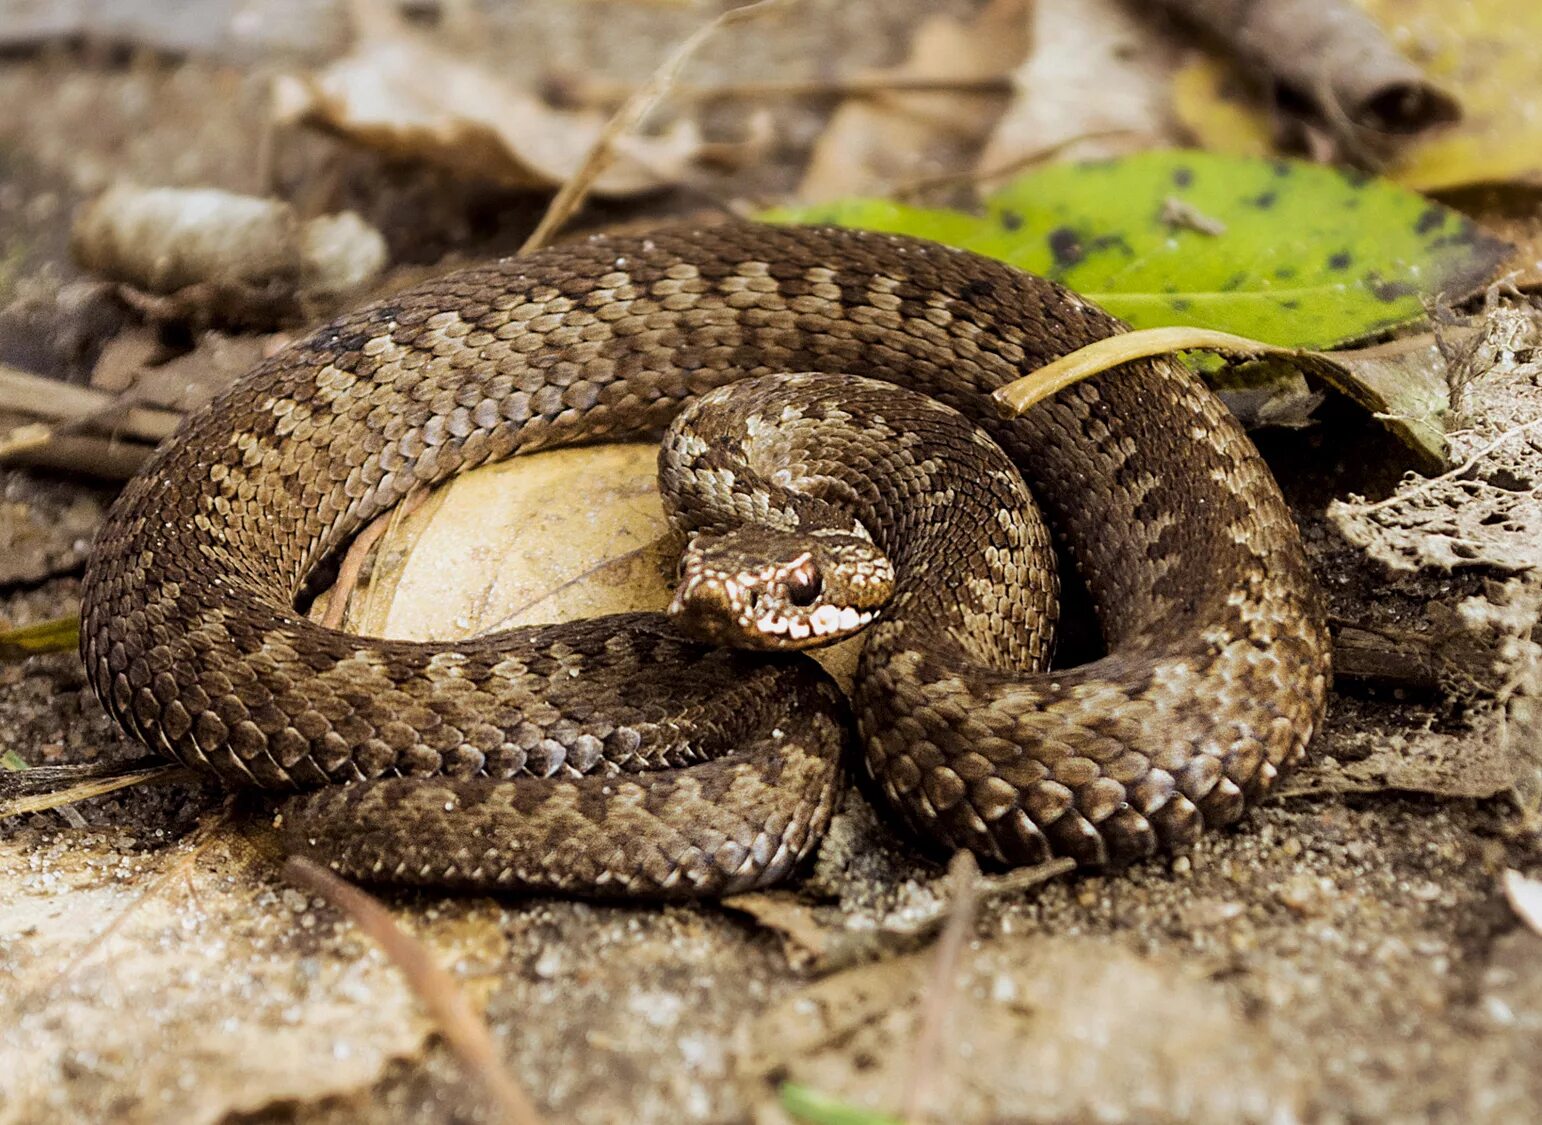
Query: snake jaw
x=767, y=589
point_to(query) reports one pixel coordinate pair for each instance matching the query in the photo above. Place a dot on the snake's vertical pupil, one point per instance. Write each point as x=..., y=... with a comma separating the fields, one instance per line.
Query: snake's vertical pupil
x=803, y=586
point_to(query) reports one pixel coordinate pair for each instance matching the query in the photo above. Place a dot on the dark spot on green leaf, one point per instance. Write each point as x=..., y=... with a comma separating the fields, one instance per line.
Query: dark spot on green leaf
x=1341, y=260
x=1355, y=177
x=1429, y=219
x=1010, y=220
x=1280, y=167
x=1181, y=304
x=1111, y=242
x=1265, y=201
x=1183, y=177
x=1389, y=291
x=1290, y=303
x=1066, y=245
x=1234, y=282
x=1285, y=273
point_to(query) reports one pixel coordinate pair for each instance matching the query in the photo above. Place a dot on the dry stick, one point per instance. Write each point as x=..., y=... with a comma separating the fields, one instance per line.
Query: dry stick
x=359, y=551
x=964, y=893
x=24, y=438
x=1430, y=482
x=910, y=188
x=858, y=87
x=54, y=401
x=467, y=1034
x=104, y=458
x=573, y=193
x=352, y=566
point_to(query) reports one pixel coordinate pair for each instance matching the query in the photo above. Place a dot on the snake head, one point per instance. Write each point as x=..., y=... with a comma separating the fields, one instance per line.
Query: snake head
x=759, y=588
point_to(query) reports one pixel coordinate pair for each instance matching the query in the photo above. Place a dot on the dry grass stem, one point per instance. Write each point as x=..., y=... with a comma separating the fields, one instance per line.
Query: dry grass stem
x=964, y=896
x=570, y=197
x=447, y=1005
x=1430, y=482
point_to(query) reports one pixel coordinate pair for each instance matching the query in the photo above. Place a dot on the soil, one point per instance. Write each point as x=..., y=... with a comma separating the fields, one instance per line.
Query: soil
x=1346, y=954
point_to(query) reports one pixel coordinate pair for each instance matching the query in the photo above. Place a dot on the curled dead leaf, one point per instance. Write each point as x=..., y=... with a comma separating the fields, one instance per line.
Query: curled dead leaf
x=403, y=95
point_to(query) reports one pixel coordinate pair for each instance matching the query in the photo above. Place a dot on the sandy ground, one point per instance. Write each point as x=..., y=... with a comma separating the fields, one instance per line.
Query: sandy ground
x=1346, y=954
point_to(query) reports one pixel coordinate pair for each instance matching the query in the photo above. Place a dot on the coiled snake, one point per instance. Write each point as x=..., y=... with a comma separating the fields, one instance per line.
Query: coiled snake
x=618, y=757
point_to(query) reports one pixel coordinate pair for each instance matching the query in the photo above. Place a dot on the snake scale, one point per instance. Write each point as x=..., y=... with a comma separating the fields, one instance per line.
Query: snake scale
x=623, y=757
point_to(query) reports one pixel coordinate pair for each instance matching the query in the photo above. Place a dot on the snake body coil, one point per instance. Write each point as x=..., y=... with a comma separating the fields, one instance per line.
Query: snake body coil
x=618, y=757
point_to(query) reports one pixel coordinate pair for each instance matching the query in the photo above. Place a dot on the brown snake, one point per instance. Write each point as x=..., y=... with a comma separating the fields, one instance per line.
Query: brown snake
x=616, y=756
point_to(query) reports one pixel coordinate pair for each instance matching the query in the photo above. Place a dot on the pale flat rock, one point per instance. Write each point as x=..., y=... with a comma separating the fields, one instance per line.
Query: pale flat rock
x=1049, y=1029
x=141, y=998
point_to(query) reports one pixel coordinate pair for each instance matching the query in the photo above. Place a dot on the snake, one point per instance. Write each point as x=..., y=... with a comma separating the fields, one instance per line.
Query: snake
x=696, y=753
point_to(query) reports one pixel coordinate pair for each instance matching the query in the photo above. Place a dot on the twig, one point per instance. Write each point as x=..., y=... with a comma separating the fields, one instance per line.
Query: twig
x=572, y=194
x=462, y=1027
x=359, y=551
x=964, y=894
x=907, y=189
x=105, y=458
x=1430, y=482
x=352, y=566
x=857, y=87
x=54, y=401
x=1330, y=51
x=21, y=439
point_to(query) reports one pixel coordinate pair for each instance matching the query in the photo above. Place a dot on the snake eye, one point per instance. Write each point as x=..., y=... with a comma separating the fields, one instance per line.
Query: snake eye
x=804, y=585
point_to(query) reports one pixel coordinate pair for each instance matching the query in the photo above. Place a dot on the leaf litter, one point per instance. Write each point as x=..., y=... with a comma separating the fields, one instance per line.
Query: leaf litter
x=562, y=1000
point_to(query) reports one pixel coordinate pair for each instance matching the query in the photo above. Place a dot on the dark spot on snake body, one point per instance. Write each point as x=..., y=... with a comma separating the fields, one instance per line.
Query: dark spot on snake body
x=977, y=289
x=1065, y=244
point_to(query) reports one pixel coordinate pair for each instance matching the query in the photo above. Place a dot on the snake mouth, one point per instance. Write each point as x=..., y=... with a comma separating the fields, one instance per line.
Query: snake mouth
x=725, y=612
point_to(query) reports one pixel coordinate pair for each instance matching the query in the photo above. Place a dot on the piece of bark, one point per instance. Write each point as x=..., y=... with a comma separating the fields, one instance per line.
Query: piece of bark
x=1330, y=53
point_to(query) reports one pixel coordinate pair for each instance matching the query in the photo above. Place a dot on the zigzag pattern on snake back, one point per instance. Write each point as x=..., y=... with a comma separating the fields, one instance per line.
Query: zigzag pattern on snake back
x=527, y=759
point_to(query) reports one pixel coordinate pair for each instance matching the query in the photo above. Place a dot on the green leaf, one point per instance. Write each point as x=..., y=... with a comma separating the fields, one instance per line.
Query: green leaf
x=1294, y=254
x=814, y=1108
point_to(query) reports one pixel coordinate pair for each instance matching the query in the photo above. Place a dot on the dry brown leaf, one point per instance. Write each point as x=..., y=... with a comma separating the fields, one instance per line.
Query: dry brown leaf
x=403, y=95
x=165, y=239
x=1094, y=84
x=871, y=143
x=565, y=534
x=570, y=533
x=209, y=255
x=1487, y=512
